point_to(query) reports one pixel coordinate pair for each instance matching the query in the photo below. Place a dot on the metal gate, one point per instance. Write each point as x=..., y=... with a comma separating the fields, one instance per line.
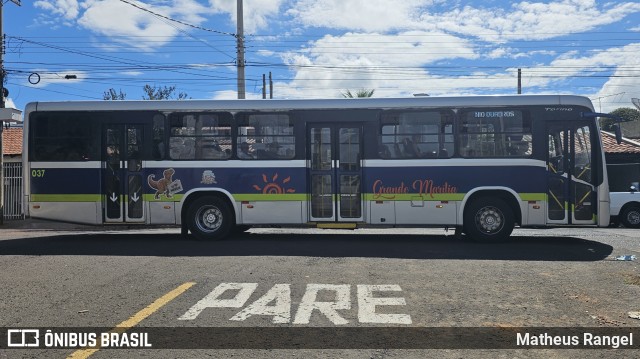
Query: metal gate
x=13, y=190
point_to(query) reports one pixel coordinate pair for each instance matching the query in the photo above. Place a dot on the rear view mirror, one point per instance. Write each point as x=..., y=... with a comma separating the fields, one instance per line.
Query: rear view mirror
x=618, y=133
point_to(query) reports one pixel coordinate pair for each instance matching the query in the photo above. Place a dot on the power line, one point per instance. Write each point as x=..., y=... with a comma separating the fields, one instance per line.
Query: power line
x=177, y=21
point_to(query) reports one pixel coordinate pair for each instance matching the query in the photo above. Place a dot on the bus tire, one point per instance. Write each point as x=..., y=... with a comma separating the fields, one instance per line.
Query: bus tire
x=209, y=218
x=488, y=219
x=630, y=216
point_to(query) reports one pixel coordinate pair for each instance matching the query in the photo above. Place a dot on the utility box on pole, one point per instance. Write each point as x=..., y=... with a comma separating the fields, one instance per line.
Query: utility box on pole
x=10, y=115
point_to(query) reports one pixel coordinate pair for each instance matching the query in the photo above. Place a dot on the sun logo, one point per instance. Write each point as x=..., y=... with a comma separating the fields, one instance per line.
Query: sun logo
x=271, y=187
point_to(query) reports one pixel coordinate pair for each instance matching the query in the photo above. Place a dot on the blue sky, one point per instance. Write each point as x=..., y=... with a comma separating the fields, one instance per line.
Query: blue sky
x=321, y=48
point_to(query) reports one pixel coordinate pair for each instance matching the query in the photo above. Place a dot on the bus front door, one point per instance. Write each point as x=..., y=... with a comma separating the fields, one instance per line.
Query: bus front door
x=571, y=194
x=122, y=174
x=335, y=173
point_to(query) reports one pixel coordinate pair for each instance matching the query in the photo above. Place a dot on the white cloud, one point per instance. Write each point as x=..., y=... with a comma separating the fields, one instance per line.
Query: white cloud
x=527, y=20
x=524, y=20
x=117, y=18
x=68, y=9
x=100, y=17
x=257, y=13
x=390, y=64
x=358, y=15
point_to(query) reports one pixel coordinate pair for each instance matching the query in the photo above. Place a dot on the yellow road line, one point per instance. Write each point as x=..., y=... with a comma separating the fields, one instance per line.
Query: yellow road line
x=136, y=318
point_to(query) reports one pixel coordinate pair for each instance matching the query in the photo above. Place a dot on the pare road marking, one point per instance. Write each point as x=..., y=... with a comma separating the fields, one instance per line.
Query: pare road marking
x=277, y=303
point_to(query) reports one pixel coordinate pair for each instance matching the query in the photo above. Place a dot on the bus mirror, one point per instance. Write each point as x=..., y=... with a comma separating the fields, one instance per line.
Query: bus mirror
x=618, y=131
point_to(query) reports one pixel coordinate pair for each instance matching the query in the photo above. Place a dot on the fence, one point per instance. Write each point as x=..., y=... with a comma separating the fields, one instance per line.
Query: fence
x=13, y=191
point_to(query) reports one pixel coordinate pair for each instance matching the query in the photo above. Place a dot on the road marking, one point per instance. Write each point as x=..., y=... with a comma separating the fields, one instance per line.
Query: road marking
x=277, y=303
x=309, y=303
x=367, y=304
x=136, y=318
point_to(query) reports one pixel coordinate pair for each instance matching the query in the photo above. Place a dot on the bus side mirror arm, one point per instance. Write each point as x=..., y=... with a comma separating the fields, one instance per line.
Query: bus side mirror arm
x=616, y=126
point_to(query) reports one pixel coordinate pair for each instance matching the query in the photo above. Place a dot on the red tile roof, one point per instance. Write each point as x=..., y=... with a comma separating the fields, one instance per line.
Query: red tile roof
x=626, y=146
x=12, y=141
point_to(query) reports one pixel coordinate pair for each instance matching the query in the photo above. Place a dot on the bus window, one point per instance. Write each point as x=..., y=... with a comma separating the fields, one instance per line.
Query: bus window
x=199, y=136
x=158, y=150
x=63, y=137
x=416, y=135
x=265, y=136
x=495, y=133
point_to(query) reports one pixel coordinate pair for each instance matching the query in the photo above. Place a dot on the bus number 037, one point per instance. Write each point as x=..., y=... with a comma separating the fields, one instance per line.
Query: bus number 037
x=37, y=173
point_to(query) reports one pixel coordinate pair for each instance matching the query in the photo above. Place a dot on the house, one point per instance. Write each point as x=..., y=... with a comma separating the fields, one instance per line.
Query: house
x=623, y=162
x=12, y=144
x=12, y=158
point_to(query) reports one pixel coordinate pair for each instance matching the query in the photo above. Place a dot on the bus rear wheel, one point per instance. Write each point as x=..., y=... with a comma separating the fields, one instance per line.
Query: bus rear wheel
x=209, y=218
x=630, y=217
x=489, y=219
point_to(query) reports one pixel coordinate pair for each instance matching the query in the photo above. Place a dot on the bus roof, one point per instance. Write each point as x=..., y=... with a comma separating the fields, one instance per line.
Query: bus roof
x=267, y=105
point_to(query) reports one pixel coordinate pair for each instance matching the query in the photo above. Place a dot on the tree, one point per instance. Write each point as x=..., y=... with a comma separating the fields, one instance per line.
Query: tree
x=359, y=94
x=162, y=93
x=112, y=95
x=626, y=113
x=150, y=93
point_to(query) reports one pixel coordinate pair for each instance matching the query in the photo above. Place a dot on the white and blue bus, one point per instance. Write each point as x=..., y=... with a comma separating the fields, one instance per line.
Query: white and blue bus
x=478, y=164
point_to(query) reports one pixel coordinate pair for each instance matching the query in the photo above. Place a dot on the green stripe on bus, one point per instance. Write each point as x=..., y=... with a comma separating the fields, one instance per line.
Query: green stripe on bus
x=162, y=198
x=66, y=197
x=533, y=196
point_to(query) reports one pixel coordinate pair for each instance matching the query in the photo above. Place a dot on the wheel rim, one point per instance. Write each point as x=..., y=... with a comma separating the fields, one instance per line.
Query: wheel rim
x=489, y=220
x=633, y=217
x=209, y=218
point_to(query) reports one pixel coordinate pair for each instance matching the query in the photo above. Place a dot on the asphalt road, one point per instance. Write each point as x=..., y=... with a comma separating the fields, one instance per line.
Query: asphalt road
x=366, y=293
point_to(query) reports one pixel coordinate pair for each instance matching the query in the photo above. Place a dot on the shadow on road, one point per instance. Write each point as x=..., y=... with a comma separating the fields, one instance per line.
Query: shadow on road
x=401, y=246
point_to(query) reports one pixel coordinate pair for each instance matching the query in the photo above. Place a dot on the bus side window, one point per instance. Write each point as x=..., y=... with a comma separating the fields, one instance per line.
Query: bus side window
x=158, y=148
x=265, y=137
x=416, y=134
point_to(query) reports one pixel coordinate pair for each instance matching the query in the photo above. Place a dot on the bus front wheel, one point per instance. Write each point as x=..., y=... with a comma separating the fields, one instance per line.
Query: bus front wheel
x=209, y=218
x=489, y=219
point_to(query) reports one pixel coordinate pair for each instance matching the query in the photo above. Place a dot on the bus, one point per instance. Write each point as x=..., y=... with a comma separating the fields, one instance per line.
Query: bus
x=481, y=164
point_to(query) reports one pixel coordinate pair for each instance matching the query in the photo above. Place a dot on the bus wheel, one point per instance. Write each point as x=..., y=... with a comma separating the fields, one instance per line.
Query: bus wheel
x=488, y=219
x=630, y=217
x=209, y=218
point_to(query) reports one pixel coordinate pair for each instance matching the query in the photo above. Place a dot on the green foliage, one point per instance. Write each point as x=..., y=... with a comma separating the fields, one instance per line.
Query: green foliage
x=150, y=93
x=162, y=93
x=626, y=113
x=112, y=95
x=359, y=94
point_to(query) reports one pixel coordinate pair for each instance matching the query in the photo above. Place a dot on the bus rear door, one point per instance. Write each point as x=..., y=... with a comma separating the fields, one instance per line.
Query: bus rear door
x=335, y=172
x=122, y=173
x=571, y=193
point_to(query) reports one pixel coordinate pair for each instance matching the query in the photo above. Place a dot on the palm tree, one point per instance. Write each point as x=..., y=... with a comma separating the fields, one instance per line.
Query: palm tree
x=359, y=94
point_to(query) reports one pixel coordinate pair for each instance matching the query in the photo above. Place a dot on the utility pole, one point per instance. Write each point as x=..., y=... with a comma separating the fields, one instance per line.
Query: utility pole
x=240, y=50
x=519, y=81
x=2, y=105
x=270, y=86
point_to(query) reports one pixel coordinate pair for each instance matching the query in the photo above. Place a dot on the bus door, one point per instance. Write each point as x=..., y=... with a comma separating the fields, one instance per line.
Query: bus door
x=335, y=172
x=122, y=173
x=571, y=194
